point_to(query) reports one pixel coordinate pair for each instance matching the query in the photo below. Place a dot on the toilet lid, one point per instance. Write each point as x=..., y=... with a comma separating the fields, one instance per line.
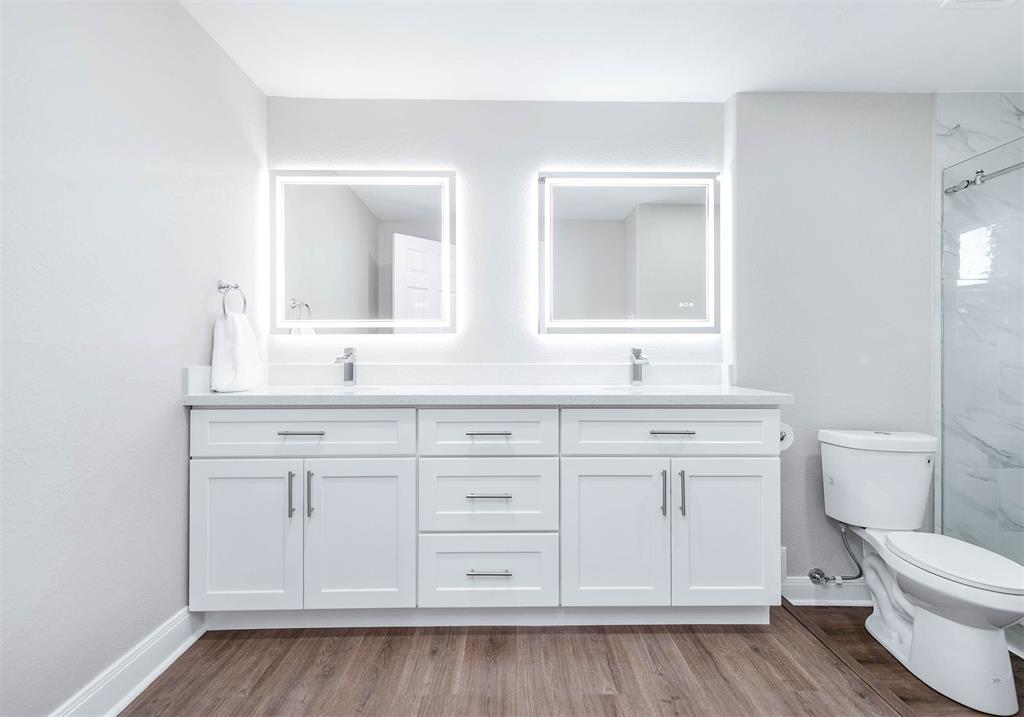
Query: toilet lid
x=958, y=561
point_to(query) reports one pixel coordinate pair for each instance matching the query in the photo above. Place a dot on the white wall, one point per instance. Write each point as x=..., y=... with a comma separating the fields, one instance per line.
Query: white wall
x=134, y=173
x=672, y=267
x=330, y=252
x=833, y=277
x=631, y=265
x=590, y=273
x=497, y=149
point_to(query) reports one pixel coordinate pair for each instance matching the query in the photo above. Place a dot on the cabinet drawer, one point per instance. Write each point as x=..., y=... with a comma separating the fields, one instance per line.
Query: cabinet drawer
x=466, y=494
x=488, y=570
x=303, y=432
x=489, y=432
x=670, y=431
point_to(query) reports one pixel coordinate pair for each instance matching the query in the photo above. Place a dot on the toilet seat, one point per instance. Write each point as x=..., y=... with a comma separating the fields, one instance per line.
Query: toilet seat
x=958, y=561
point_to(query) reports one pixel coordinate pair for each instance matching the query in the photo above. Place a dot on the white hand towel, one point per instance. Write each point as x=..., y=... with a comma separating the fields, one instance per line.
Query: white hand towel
x=236, y=359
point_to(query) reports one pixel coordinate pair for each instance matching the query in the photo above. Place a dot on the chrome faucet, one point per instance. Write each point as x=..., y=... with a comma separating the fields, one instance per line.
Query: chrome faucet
x=349, y=360
x=636, y=370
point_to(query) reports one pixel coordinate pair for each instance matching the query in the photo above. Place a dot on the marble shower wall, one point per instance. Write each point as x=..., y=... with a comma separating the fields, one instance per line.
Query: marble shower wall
x=969, y=123
x=983, y=321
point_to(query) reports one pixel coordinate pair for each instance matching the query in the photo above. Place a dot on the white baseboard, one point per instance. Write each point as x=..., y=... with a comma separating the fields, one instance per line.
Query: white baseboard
x=114, y=688
x=799, y=590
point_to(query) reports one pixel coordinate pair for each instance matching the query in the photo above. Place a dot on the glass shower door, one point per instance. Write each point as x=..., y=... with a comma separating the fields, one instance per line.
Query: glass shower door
x=983, y=350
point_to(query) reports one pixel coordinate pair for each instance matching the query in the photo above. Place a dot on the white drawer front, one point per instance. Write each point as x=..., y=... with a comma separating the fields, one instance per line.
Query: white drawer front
x=310, y=432
x=488, y=570
x=670, y=431
x=489, y=432
x=466, y=494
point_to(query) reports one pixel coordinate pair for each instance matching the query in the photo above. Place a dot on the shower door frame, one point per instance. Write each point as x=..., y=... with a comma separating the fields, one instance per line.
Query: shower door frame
x=938, y=294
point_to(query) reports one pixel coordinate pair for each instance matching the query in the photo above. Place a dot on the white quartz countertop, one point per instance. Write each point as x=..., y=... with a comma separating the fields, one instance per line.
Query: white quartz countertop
x=488, y=395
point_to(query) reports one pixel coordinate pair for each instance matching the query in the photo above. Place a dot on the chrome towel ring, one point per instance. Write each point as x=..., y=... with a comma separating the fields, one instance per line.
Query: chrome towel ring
x=298, y=306
x=224, y=288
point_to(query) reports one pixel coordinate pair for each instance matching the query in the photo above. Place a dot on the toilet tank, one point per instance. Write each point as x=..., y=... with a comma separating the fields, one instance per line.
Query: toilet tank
x=877, y=479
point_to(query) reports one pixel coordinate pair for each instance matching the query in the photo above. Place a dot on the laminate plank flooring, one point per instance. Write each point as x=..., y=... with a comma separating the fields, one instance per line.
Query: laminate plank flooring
x=842, y=628
x=772, y=670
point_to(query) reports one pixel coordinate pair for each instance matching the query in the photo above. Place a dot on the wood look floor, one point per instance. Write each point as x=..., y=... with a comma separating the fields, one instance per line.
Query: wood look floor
x=778, y=669
x=843, y=629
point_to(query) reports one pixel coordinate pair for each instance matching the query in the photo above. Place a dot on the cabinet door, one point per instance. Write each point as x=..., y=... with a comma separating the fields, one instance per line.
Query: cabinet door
x=245, y=534
x=615, y=531
x=360, y=532
x=725, y=531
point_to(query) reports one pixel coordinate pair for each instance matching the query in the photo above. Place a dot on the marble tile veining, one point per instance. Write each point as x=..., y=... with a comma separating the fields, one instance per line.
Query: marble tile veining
x=969, y=123
x=982, y=237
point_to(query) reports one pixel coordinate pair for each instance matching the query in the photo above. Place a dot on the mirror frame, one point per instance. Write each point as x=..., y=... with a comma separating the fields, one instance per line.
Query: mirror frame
x=551, y=180
x=445, y=179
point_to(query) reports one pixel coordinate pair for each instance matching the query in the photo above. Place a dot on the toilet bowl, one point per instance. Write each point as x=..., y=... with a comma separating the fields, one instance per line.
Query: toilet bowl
x=941, y=605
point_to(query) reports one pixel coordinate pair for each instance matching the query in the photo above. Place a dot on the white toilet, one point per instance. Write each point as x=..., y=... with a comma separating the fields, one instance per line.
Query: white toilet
x=940, y=604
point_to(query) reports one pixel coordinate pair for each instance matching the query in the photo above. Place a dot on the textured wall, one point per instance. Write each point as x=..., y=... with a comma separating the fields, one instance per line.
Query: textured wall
x=833, y=273
x=496, y=149
x=133, y=170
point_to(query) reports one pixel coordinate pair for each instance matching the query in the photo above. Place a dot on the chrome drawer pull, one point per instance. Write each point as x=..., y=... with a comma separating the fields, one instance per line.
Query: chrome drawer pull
x=488, y=433
x=482, y=496
x=673, y=433
x=682, y=492
x=291, y=503
x=309, y=494
x=302, y=433
x=664, y=492
x=489, y=574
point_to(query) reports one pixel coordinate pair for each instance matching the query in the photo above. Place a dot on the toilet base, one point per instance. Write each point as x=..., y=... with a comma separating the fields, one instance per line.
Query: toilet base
x=968, y=664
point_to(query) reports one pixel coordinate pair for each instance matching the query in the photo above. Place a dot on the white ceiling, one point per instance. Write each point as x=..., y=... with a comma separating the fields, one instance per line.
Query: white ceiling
x=617, y=51
x=401, y=204
x=615, y=203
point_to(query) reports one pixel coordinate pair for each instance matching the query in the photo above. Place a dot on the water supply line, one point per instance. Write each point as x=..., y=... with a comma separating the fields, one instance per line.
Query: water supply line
x=818, y=576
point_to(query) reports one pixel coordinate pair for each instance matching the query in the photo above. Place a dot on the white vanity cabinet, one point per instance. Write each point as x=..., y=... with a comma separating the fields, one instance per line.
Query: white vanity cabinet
x=726, y=535
x=616, y=532
x=488, y=525
x=316, y=514
x=276, y=533
x=245, y=534
x=682, y=531
x=360, y=537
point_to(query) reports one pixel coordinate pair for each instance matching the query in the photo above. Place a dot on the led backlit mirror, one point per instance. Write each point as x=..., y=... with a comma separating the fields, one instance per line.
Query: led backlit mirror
x=628, y=253
x=364, y=252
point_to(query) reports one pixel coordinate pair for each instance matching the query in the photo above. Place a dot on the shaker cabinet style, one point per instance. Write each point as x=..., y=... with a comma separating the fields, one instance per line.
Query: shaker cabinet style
x=616, y=532
x=679, y=531
x=670, y=506
x=540, y=510
x=276, y=534
x=725, y=531
x=245, y=534
x=360, y=537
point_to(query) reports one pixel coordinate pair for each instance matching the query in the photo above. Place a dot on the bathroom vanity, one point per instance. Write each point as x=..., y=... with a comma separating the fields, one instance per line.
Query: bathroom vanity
x=385, y=504
x=403, y=505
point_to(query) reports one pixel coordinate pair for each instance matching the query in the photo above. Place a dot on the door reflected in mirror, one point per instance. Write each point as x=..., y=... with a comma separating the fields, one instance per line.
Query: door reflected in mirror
x=635, y=253
x=364, y=252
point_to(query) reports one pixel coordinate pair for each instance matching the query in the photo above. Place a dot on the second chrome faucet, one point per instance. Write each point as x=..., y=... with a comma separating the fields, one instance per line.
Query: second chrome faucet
x=636, y=369
x=349, y=361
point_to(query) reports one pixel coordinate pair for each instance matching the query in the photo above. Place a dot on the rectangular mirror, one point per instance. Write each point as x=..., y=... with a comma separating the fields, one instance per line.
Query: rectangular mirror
x=628, y=253
x=364, y=252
